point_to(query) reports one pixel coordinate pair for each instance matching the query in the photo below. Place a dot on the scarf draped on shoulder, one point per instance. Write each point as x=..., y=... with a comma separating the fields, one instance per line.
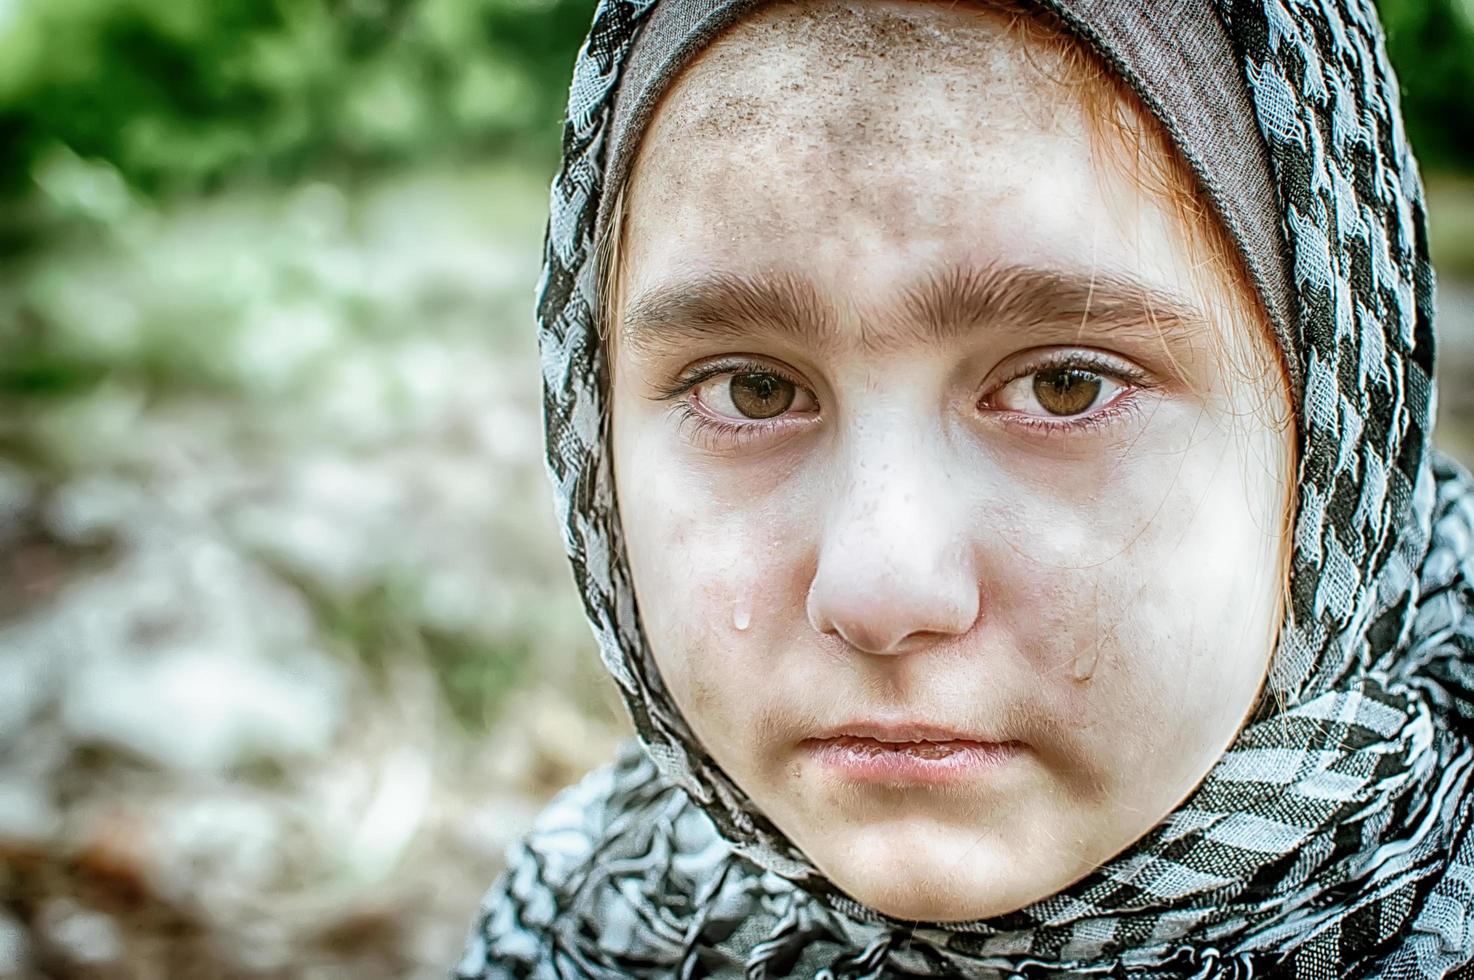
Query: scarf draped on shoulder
x=1331, y=840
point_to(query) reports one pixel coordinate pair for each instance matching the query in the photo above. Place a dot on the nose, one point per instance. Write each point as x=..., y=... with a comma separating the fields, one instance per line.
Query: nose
x=894, y=571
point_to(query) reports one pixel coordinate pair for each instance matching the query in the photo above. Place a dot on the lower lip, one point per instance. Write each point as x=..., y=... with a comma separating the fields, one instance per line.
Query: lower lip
x=869, y=760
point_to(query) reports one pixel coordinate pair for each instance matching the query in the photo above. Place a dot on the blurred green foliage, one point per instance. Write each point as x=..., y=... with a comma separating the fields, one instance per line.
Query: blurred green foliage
x=182, y=94
x=185, y=94
x=1431, y=44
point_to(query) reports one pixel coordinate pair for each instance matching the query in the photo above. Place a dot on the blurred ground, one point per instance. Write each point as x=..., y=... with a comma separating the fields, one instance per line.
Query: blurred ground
x=290, y=648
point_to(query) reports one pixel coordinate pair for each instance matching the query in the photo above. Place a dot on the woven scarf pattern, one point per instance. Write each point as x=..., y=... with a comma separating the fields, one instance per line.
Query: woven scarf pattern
x=1330, y=840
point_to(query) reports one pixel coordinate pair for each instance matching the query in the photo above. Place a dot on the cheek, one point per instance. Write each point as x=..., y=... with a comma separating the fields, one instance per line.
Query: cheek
x=720, y=577
x=1157, y=582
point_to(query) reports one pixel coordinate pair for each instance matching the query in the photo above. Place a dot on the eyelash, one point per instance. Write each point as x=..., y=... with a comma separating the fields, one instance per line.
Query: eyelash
x=1119, y=407
x=721, y=435
x=715, y=434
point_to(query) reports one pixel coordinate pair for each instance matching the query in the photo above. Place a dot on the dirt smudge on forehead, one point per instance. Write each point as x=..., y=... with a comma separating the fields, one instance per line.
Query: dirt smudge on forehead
x=852, y=101
x=857, y=61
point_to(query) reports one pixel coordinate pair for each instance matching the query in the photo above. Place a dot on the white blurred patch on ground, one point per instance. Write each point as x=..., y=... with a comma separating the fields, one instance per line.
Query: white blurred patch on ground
x=280, y=585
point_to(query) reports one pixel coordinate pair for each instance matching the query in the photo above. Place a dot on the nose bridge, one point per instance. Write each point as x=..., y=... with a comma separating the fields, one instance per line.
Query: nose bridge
x=888, y=482
x=894, y=565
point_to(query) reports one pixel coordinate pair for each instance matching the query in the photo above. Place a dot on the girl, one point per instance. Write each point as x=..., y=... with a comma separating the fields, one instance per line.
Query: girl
x=993, y=448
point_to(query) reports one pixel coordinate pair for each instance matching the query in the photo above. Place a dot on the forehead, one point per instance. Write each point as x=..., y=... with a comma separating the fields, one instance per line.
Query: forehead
x=871, y=134
x=790, y=65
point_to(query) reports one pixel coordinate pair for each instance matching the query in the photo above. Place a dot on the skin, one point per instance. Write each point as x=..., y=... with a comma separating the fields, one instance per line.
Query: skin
x=917, y=537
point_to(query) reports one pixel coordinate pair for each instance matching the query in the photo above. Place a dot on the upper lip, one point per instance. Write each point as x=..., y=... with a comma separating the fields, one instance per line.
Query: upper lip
x=901, y=732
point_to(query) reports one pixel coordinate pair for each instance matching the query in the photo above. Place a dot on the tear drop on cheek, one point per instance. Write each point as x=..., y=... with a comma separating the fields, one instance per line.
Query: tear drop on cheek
x=1085, y=660
x=741, y=617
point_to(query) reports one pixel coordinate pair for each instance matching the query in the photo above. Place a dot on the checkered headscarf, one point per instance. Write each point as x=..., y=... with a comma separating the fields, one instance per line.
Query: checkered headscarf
x=1329, y=841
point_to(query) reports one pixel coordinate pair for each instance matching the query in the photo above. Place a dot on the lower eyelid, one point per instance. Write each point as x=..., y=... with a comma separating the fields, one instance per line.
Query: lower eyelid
x=1122, y=406
x=720, y=435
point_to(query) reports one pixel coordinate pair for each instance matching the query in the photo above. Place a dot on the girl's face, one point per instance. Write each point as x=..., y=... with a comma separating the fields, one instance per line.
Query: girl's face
x=953, y=504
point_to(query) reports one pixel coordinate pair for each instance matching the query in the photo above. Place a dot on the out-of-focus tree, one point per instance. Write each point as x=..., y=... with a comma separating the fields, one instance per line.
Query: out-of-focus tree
x=1431, y=43
x=179, y=94
x=184, y=94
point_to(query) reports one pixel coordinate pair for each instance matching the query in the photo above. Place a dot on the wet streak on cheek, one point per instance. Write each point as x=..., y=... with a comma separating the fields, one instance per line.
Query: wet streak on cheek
x=1090, y=596
x=726, y=612
x=1173, y=665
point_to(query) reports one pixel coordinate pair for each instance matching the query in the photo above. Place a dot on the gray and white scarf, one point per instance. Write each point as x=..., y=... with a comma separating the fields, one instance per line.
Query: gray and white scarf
x=1331, y=840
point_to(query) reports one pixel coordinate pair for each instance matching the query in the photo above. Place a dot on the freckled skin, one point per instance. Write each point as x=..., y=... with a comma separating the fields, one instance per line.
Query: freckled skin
x=909, y=553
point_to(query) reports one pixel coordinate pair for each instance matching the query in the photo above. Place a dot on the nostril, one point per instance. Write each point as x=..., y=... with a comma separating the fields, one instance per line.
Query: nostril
x=851, y=628
x=893, y=623
x=868, y=640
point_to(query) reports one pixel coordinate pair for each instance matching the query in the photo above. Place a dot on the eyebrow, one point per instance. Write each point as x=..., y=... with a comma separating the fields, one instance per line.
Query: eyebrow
x=944, y=306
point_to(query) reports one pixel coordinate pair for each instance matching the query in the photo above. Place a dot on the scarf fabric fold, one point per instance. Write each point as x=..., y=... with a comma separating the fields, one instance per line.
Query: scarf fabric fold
x=1331, y=840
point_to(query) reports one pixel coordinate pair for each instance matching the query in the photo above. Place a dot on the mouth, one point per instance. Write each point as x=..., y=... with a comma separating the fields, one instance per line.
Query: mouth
x=908, y=753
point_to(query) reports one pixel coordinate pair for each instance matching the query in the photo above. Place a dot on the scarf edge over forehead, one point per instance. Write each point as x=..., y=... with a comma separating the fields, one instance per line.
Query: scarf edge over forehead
x=1333, y=830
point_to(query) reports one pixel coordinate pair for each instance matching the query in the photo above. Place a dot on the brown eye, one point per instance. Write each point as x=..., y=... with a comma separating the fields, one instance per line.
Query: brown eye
x=761, y=396
x=1066, y=391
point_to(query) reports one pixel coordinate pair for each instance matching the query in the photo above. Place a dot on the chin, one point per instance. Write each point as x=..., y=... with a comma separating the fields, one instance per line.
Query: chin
x=935, y=875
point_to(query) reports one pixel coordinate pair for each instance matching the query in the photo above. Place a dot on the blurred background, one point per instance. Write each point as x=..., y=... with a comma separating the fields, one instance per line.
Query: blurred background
x=289, y=651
